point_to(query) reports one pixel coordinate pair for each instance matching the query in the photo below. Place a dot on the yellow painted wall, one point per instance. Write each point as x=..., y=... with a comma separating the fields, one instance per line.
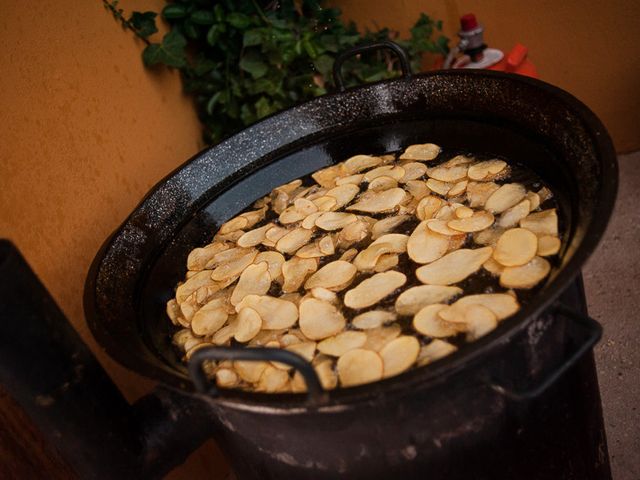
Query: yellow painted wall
x=86, y=130
x=587, y=47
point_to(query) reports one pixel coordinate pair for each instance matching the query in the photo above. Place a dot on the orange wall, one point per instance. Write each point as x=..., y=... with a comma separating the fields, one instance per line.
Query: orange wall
x=587, y=47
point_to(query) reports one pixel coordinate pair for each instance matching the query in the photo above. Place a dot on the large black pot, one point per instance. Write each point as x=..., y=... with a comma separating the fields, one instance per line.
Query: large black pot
x=459, y=415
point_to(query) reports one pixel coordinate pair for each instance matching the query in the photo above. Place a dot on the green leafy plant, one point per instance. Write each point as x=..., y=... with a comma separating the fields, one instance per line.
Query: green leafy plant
x=245, y=59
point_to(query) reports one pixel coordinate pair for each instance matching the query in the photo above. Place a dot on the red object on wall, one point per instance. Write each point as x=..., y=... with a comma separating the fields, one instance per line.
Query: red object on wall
x=516, y=61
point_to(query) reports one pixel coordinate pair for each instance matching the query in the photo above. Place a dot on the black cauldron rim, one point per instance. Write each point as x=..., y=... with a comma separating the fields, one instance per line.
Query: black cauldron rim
x=437, y=372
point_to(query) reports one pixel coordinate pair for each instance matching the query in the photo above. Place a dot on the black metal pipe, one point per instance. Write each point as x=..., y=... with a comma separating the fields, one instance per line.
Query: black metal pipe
x=50, y=372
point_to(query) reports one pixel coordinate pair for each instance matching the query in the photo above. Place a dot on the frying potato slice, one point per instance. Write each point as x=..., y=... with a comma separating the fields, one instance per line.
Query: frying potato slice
x=272, y=380
x=249, y=371
x=440, y=226
x=333, y=276
x=335, y=220
x=386, y=262
x=458, y=189
x=274, y=260
x=534, y=200
x=237, y=223
x=379, y=184
x=374, y=289
x=341, y=343
x=548, y=245
x=386, y=225
x=319, y=319
x=355, y=179
x=226, y=378
x=487, y=170
x=379, y=337
x=425, y=246
x=428, y=206
x=324, y=294
x=359, y=366
x=394, y=172
x=412, y=300
x=502, y=305
x=413, y=171
x=493, y=267
x=454, y=267
x=398, y=355
x=372, y=319
x=427, y=322
x=210, y=318
x=479, y=192
x=325, y=203
x=295, y=271
x=417, y=188
x=254, y=237
x=478, y=221
x=463, y=212
x=516, y=246
x=275, y=313
x=542, y=223
x=505, y=197
x=343, y=194
x=235, y=267
x=448, y=174
x=359, y=163
x=480, y=321
x=381, y=201
x=293, y=240
x=327, y=176
x=327, y=375
x=200, y=279
x=254, y=280
x=439, y=187
x=525, y=276
x=249, y=325
x=424, y=152
x=435, y=350
x=199, y=258
x=512, y=216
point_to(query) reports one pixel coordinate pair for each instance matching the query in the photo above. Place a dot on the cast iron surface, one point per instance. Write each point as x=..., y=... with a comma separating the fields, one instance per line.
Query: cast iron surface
x=522, y=119
x=51, y=373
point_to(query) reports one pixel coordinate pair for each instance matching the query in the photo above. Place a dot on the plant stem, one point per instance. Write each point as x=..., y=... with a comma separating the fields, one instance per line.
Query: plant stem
x=260, y=12
x=117, y=14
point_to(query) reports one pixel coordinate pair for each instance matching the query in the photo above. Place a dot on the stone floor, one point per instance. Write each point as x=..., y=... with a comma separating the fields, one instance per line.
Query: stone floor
x=612, y=280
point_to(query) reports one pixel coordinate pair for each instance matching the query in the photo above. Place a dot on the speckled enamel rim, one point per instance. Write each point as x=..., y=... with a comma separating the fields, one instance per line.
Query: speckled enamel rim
x=113, y=276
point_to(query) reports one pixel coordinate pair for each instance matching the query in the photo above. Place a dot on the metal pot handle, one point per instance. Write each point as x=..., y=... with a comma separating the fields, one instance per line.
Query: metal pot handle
x=405, y=65
x=315, y=393
x=585, y=333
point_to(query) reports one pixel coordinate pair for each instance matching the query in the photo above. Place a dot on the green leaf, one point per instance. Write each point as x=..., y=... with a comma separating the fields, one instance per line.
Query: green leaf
x=252, y=63
x=238, y=20
x=170, y=52
x=144, y=23
x=218, y=12
x=203, y=17
x=214, y=33
x=174, y=11
x=324, y=65
x=190, y=29
x=212, y=102
x=252, y=37
x=263, y=107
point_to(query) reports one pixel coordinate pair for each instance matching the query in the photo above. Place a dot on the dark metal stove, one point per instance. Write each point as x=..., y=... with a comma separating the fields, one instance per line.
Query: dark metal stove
x=47, y=369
